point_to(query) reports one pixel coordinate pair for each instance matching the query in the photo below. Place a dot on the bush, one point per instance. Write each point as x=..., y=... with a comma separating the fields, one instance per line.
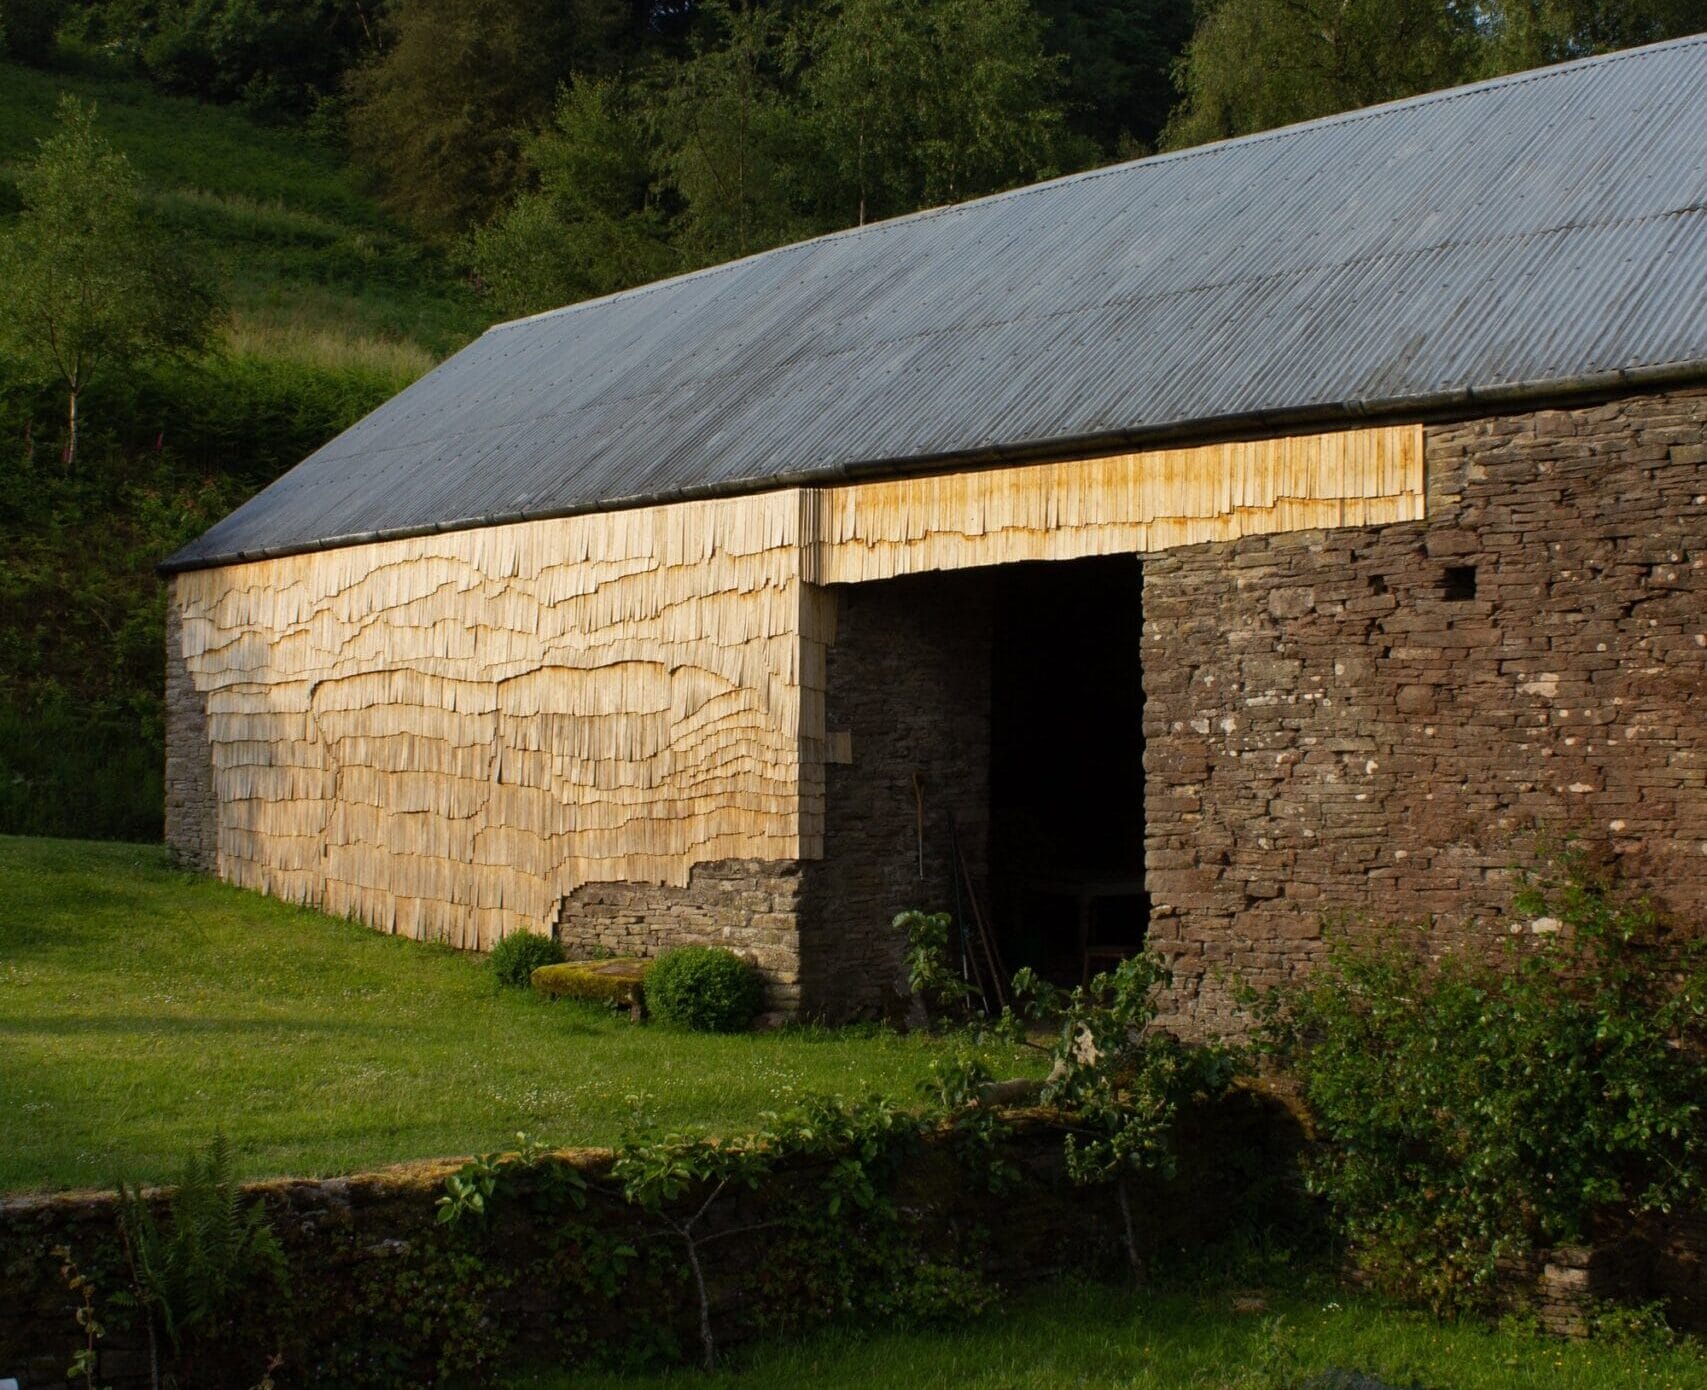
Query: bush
x=1475, y=1110
x=518, y=955
x=704, y=987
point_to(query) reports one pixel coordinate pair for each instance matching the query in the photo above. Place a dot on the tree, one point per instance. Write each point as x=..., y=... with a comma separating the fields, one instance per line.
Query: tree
x=1119, y=60
x=924, y=103
x=591, y=225
x=1256, y=64
x=438, y=118
x=731, y=140
x=85, y=284
x=1530, y=33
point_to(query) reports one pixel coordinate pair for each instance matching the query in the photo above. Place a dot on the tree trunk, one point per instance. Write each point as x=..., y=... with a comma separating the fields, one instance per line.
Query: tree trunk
x=1132, y=1254
x=71, y=432
x=707, y=1345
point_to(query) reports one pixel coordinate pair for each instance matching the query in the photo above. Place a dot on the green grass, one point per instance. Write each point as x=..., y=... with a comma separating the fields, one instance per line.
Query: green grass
x=313, y=269
x=1088, y=1336
x=143, y=1009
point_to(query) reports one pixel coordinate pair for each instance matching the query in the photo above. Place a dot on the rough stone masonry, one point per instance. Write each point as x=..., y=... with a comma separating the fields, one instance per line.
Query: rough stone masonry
x=1375, y=723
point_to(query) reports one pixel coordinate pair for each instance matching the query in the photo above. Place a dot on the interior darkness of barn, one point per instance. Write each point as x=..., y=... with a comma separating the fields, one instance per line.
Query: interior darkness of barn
x=1067, y=764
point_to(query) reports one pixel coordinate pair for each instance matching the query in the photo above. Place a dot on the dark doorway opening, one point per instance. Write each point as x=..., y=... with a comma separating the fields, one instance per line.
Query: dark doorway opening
x=1067, y=766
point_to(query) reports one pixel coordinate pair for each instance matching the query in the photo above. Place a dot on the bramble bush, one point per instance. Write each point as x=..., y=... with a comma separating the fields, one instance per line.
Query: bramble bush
x=1479, y=1109
x=704, y=987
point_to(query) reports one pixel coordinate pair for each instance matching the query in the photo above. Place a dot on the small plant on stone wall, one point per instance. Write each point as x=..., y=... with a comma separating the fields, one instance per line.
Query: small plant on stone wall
x=518, y=955
x=679, y=1180
x=85, y=1360
x=1117, y=1084
x=1120, y=1084
x=705, y=988
x=1480, y=1109
x=470, y=1189
x=188, y=1276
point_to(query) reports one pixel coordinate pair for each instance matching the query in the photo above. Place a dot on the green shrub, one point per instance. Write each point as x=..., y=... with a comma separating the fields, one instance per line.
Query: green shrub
x=518, y=955
x=1478, y=1109
x=704, y=987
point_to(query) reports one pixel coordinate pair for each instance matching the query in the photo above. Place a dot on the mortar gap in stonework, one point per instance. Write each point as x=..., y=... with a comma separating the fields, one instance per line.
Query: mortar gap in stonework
x=1377, y=584
x=1460, y=583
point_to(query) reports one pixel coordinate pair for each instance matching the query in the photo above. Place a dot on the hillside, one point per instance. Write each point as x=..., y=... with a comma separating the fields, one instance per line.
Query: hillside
x=332, y=307
x=312, y=267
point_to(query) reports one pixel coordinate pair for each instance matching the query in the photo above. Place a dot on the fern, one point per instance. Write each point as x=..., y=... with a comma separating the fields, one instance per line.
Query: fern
x=189, y=1275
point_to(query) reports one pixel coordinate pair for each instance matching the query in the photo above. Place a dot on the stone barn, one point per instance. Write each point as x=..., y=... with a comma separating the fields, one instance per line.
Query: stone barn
x=1183, y=551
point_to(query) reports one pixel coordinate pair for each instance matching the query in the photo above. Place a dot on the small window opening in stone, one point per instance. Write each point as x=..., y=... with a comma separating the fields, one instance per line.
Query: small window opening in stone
x=1377, y=584
x=1460, y=583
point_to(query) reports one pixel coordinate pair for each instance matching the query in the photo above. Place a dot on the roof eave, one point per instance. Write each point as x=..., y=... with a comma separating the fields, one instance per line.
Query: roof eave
x=1457, y=401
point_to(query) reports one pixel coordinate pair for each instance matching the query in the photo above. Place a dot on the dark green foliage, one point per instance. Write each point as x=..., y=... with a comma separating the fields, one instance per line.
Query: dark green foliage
x=705, y=988
x=514, y=959
x=436, y=118
x=1118, y=78
x=919, y=105
x=278, y=57
x=333, y=311
x=1530, y=33
x=1479, y=1109
x=192, y=1274
x=28, y=28
x=1255, y=64
x=593, y=224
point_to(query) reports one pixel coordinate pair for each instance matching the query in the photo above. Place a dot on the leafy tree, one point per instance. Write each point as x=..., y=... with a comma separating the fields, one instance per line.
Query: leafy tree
x=437, y=119
x=85, y=285
x=1256, y=64
x=1531, y=33
x=926, y=103
x=732, y=143
x=592, y=224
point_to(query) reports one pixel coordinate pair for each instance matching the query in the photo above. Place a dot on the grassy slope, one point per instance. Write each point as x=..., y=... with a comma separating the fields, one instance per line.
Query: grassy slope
x=1099, y=1338
x=143, y=1009
x=312, y=267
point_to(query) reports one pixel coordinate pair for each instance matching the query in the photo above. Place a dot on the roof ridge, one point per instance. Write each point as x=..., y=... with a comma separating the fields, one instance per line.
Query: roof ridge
x=1338, y=118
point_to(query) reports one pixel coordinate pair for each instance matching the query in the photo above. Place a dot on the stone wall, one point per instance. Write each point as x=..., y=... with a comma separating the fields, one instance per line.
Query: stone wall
x=192, y=814
x=380, y=1295
x=1375, y=722
x=907, y=693
x=746, y=905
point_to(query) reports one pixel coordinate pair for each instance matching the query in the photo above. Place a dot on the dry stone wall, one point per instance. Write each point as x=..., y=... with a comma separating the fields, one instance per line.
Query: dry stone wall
x=1375, y=722
x=745, y=905
x=192, y=811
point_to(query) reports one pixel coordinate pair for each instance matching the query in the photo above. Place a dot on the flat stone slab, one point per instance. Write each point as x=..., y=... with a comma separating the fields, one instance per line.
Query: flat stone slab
x=616, y=981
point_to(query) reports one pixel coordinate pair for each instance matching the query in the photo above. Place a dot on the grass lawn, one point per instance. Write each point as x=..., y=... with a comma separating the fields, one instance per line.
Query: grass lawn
x=143, y=1009
x=1088, y=1336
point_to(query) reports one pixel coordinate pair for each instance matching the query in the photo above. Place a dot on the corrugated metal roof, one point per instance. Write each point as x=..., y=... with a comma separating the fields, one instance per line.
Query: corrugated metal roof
x=1509, y=238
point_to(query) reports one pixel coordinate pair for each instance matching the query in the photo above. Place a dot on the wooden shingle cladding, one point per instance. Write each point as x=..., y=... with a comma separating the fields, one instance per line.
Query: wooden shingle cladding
x=444, y=736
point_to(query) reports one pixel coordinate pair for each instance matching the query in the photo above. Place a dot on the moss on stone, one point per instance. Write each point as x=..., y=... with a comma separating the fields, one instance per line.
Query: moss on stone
x=602, y=981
